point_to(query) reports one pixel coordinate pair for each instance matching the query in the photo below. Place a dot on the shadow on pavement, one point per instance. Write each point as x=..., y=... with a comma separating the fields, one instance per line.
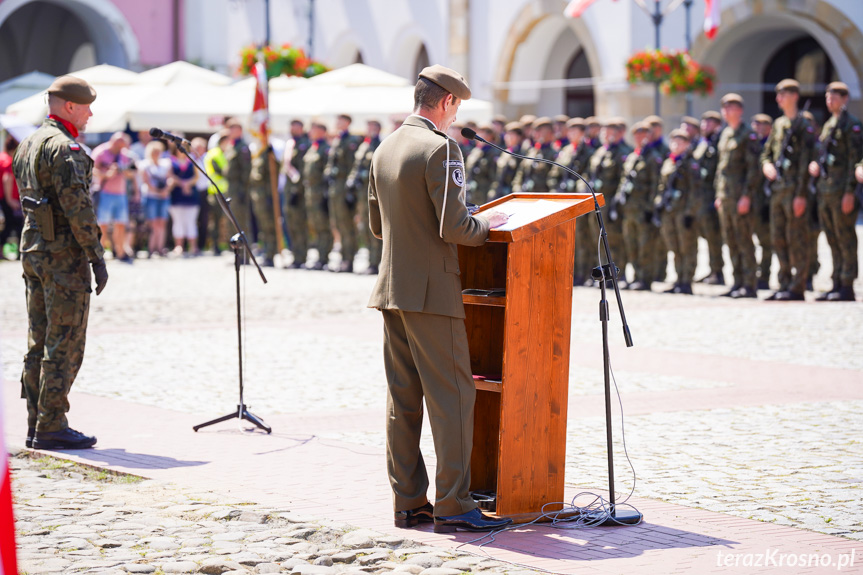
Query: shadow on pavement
x=123, y=458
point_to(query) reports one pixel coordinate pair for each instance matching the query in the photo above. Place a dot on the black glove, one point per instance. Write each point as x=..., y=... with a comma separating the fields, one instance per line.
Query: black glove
x=100, y=272
x=687, y=222
x=648, y=217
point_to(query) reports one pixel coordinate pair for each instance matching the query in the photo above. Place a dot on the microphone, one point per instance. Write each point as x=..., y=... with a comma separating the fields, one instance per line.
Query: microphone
x=157, y=133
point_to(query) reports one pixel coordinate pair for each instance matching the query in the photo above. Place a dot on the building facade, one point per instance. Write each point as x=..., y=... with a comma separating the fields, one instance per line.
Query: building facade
x=523, y=55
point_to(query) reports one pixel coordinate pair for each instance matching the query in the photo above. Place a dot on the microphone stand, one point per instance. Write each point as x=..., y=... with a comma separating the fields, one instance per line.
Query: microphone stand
x=606, y=274
x=240, y=246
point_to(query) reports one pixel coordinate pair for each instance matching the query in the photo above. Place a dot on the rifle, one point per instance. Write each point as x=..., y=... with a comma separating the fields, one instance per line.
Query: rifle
x=824, y=155
x=668, y=194
x=786, y=141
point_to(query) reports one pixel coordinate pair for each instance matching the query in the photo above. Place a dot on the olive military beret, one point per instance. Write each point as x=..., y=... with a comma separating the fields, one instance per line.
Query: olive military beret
x=527, y=120
x=514, y=127
x=576, y=123
x=640, y=127
x=73, y=90
x=499, y=119
x=678, y=133
x=840, y=88
x=591, y=121
x=711, y=115
x=690, y=121
x=448, y=79
x=561, y=119
x=653, y=121
x=762, y=119
x=788, y=85
x=731, y=98
x=618, y=122
x=541, y=122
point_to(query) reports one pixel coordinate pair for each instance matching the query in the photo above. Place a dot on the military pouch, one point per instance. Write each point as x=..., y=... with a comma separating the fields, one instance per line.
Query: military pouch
x=42, y=214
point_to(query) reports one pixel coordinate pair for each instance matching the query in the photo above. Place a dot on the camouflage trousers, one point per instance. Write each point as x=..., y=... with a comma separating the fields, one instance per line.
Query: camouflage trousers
x=761, y=225
x=214, y=223
x=342, y=219
x=262, y=206
x=317, y=209
x=297, y=221
x=58, y=304
x=585, y=247
x=790, y=238
x=658, y=253
x=374, y=245
x=637, y=239
x=682, y=242
x=615, y=237
x=841, y=236
x=707, y=225
x=240, y=207
x=737, y=233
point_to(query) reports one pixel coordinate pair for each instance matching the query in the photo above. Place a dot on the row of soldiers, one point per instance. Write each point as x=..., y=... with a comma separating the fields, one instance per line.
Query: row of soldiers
x=718, y=177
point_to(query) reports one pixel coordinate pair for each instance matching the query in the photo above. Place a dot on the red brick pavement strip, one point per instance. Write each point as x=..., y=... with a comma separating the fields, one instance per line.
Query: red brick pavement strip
x=327, y=479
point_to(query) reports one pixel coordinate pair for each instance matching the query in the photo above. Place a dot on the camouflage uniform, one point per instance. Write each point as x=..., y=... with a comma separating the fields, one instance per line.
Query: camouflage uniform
x=295, y=202
x=317, y=208
x=49, y=164
x=359, y=178
x=637, y=188
x=657, y=250
x=237, y=170
x=340, y=160
x=606, y=167
x=761, y=225
x=533, y=176
x=261, y=195
x=738, y=174
x=789, y=234
x=576, y=157
x=707, y=220
x=841, y=143
x=480, y=166
x=505, y=171
x=678, y=201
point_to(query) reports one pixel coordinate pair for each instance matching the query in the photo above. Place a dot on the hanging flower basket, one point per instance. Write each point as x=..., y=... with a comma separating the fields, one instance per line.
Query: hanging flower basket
x=286, y=60
x=676, y=72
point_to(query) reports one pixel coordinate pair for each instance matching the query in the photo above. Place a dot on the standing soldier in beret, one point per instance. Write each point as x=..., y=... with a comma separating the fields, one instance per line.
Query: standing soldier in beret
x=317, y=205
x=507, y=166
x=761, y=124
x=416, y=206
x=707, y=220
x=677, y=202
x=533, y=176
x=481, y=165
x=840, y=144
x=657, y=250
x=343, y=202
x=238, y=168
x=636, y=191
x=358, y=183
x=785, y=163
x=737, y=180
x=295, y=196
x=261, y=200
x=59, y=245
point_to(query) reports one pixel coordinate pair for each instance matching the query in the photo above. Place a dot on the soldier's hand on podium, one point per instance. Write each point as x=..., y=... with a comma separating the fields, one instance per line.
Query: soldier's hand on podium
x=496, y=218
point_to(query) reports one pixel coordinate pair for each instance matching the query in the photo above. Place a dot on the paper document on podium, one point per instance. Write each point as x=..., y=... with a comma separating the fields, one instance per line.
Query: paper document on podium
x=523, y=213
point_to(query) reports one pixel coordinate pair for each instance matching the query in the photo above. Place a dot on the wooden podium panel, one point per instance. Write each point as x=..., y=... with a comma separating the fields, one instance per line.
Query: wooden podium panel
x=519, y=350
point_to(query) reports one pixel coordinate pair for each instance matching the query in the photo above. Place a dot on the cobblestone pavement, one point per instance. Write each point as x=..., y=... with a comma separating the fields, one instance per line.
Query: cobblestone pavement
x=163, y=334
x=71, y=519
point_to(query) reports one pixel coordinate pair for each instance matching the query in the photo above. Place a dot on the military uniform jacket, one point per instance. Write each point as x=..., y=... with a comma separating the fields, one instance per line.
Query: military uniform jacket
x=260, y=172
x=574, y=156
x=679, y=181
x=301, y=146
x=533, y=176
x=738, y=172
x=505, y=171
x=481, y=165
x=416, y=206
x=606, y=166
x=340, y=158
x=363, y=162
x=706, y=153
x=795, y=165
x=50, y=164
x=238, y=167
x=639, y=182
x=315, y=162
x=840, y=145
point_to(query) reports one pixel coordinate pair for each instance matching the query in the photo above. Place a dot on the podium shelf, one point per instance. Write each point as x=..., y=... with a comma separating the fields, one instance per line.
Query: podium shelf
x=484, y=300
x=487, y=385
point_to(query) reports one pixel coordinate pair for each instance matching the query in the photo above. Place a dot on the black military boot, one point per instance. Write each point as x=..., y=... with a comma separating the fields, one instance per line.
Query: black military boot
x=65, y=439
x=28, y=443
x=826, y=295
x=845, y=293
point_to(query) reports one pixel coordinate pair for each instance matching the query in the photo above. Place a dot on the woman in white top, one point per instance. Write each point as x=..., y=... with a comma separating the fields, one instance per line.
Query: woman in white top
x=155, y=171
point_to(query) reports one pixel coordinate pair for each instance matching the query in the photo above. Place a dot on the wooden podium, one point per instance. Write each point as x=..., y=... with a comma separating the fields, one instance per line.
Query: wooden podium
x=519, y=349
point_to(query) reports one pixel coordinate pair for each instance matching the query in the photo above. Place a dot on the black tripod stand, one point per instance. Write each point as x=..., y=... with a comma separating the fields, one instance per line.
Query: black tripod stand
x=240, y=246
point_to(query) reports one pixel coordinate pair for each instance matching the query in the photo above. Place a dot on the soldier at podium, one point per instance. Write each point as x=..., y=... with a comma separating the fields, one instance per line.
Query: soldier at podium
x=417, y=207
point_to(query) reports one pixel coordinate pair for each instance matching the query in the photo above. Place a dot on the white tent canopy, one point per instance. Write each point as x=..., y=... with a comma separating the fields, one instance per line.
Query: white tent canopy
x=23, y=86
x=182, y=72
x=358, y=75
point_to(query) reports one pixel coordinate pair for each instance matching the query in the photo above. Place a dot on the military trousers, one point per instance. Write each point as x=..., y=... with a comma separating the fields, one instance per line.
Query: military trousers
x=790, y=238
x=242, y=212
x=319, y=219
x=737, y=233
x=615, y=236
x=58, y=305
x=373, y=244
x=585, y=247
x=262, y=206
x=841, y=236
x=682, y=241
x=707, y=224
x=814, y=217
x=426, y=357
x=297, y=221
x=761, y=225
x=342, y=219
x=215, y=223
x=637, y=238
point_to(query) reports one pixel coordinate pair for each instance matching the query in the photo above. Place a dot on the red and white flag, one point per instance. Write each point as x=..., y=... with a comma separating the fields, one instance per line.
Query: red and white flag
x=260, y=108
x=575, y=8
x=8, y=563
x=711, y=18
